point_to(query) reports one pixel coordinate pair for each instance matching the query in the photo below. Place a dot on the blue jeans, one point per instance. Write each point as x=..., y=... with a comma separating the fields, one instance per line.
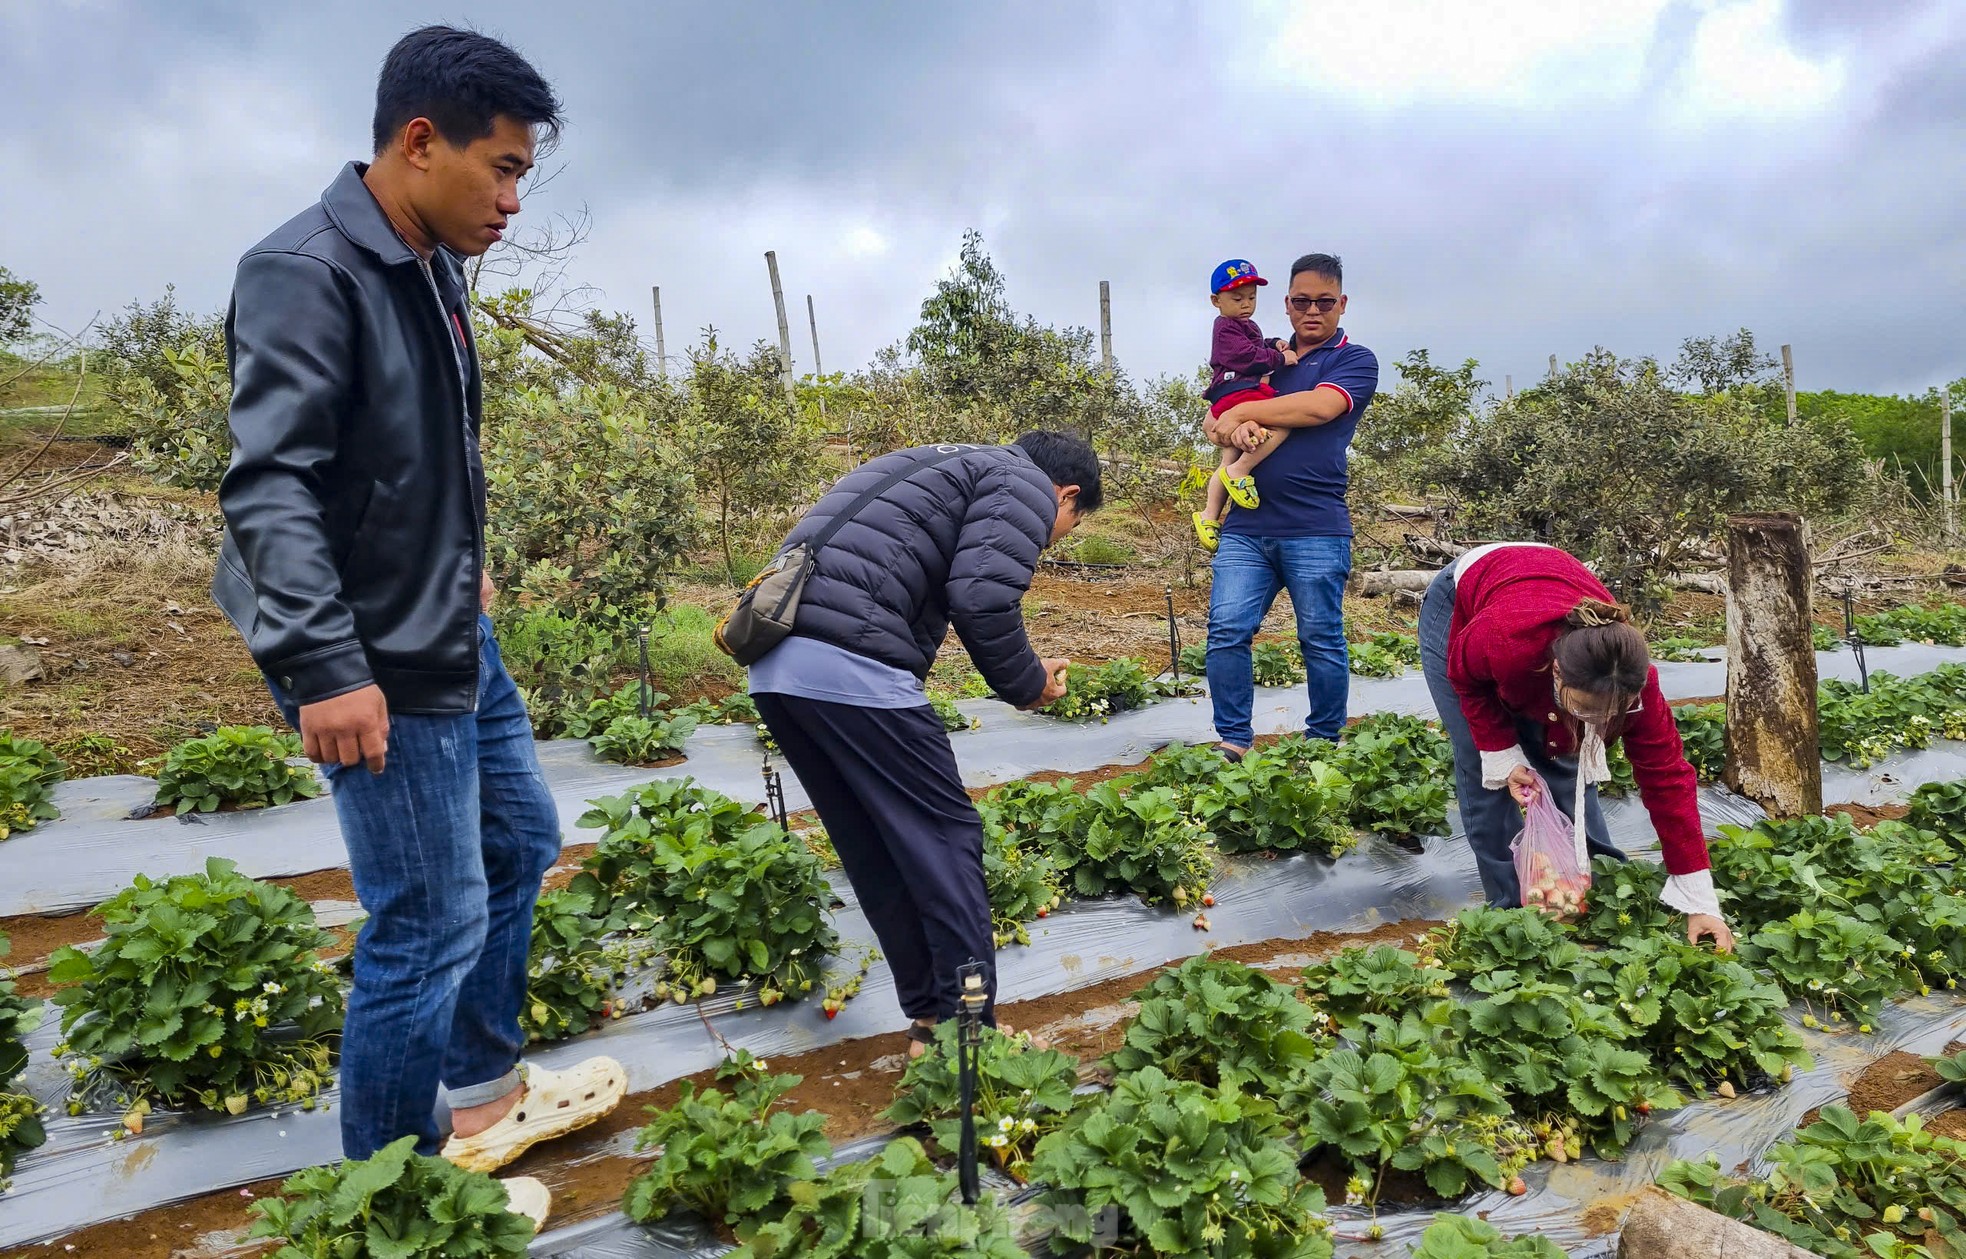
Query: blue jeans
x=1248, y=574
x=1492, y=819
x=447, y=847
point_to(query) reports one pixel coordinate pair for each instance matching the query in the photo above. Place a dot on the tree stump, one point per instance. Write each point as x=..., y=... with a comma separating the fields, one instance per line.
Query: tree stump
x=1774, y=754
x=1661, y=1226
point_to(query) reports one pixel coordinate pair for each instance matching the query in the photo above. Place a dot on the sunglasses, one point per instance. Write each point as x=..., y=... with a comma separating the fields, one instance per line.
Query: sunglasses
x=1302, y=304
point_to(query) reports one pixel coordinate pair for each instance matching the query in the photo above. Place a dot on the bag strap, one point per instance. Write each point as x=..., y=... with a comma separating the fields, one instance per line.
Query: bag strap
x=941, y=454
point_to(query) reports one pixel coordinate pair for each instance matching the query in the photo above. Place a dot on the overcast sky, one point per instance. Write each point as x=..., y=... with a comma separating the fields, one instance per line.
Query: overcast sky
x=1504, y=180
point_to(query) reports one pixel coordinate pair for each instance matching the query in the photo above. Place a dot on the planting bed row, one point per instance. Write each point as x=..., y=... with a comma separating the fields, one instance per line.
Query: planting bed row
x=96, y=848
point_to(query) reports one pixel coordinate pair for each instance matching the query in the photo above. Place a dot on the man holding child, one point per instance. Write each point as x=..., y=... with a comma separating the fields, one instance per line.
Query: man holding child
x=1298, y=537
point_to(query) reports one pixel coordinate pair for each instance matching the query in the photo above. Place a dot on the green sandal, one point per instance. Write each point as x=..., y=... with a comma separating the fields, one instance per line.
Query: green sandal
x=1242, y=489
x=1209, y=531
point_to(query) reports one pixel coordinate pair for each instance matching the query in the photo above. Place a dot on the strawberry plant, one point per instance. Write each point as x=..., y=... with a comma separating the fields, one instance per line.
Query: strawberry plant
x=1624, y=779
x=1624, y=902
x=1402, y=1096
x=736, y=709
x=1843, y=963
x=395, y=1202
x=587, y=720
x=1276, y=664
x=643, y=740
x=1944, y=625
x=1219, y=1023
x=1269, y=801
x=1031, y=812
x=1951, y=1069
x=244, y=766
x=1379, y=980
x=1401, y=769
x=1181, y=766
x=572, y=972
x=1140, y=841
x=1465, y=1237
x=896, y=1205
x=1845, y=1188
x=1941, y=808
x=725, y=892
x=1760, y=881
x=1932, y=924
x=1385, y=655
x=1494, y=949
x=731, y=1159
x=208, y=990
x=1022, y=882
x=1023, y=1094
x=1703, y=1016
x=1703, y=738
x=1194, y=1171
x=1681, y=648
x=28, y=774
x=1095, y=694
x=20, y=1114
x=952, y=718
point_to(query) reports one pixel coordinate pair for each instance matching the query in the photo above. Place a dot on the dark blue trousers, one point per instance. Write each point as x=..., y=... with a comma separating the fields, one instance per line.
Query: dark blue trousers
x=884, y=782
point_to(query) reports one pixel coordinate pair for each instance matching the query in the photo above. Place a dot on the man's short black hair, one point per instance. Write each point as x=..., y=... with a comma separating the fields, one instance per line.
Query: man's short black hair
x=1320, y=264
x=1067, y=460
x=461, y=81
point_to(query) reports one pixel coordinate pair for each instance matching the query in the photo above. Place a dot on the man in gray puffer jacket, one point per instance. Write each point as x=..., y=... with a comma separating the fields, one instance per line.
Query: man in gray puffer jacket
x=953, y=543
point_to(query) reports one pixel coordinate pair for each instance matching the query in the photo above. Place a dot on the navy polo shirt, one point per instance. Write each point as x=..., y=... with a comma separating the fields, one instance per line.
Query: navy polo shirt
x=1302, y=482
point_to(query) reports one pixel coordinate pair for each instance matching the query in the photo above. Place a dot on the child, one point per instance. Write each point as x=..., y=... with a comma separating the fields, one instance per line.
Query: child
x=1243, y=360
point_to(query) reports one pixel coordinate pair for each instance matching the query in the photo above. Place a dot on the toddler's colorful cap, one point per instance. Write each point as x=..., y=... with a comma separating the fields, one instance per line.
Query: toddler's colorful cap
x=1233, y=274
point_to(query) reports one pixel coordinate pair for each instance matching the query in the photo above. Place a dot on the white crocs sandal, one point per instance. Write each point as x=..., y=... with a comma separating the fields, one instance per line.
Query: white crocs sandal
x=529, y=1197
x=555, y=1103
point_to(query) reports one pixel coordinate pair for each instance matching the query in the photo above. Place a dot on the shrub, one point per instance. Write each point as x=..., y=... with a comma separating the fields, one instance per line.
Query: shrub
x=731, y=1159
x=208, y=989
x=722, y=889
x=1023, y=1094
x=581, y=480
x=20, y=1114
x=246, y=766
x=28, y=774
x=1195, y=1171
x=561, y=663
x=395, y=1202
x=168, y=384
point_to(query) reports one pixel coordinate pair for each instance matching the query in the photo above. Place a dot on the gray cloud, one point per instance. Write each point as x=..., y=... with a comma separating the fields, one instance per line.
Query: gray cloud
x=1138, y=144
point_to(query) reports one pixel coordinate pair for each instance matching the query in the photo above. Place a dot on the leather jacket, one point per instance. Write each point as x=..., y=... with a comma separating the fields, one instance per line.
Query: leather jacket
x=355, y=500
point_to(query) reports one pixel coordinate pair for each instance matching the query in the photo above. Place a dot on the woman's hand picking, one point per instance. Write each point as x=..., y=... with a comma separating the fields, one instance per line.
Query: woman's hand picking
x=1698, y=925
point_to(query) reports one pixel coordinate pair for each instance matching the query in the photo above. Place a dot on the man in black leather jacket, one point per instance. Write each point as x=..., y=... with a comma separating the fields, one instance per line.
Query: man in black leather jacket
x=353, y=564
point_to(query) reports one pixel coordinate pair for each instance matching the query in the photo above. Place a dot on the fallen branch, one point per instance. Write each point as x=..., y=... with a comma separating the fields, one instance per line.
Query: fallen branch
x=1411, y=580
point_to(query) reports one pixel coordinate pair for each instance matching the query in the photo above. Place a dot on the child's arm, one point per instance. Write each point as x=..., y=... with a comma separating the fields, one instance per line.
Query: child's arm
x=1239, y=348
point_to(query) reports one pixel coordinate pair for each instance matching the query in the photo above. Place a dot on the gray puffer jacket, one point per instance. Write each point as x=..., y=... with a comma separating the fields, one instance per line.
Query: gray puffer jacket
x=954, y=543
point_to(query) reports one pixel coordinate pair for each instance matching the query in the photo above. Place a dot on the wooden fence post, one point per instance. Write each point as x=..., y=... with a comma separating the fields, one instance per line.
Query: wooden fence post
x=784, y=329
x=1106, y=325
x=1945, y=458
x=1788, y=380
x=1773, y=742
x=661, y=350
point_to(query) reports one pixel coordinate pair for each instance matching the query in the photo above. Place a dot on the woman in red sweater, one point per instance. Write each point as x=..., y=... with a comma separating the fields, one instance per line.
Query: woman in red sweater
x=1533, y=666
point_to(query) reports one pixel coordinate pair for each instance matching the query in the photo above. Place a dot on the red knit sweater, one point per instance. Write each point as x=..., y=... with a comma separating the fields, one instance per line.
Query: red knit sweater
x=1508, y=609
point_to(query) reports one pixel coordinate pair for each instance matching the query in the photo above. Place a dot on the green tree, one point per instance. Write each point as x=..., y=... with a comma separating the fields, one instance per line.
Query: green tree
x=18, y=298
x=752, y=455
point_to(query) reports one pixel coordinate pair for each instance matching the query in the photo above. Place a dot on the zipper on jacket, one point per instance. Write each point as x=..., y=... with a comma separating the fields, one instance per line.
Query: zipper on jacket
x=462, y=362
